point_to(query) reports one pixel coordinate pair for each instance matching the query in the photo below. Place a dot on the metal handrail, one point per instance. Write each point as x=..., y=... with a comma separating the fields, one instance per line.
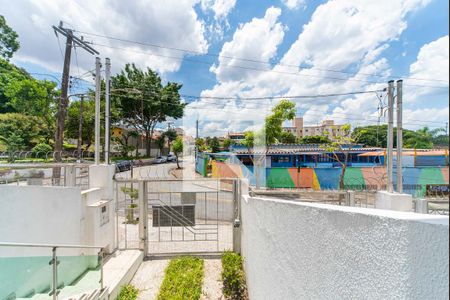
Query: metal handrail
x=54, y=261
x=49, y=245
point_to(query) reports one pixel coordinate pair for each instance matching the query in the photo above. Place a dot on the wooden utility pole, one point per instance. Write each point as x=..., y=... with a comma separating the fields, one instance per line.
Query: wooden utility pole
x=71, y=41
x=80, y=128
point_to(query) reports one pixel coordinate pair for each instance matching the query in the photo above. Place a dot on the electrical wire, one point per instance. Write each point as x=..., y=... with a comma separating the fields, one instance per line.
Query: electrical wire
x=259, y=69
x=250, y=60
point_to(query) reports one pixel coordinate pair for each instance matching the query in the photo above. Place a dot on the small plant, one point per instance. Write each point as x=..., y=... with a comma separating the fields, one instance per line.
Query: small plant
x=128, y=292
x=41, y=150
x=183, y=279
x=233, y=277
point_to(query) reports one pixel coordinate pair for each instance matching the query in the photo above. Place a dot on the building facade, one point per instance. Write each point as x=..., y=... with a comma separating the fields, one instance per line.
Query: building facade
x=326, y=128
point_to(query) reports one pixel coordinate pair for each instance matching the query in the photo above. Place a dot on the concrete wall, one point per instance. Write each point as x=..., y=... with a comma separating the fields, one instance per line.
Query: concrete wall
x=315, y=251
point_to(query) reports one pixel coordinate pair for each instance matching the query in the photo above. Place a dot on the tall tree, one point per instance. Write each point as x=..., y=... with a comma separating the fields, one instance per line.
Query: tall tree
x=145, y=101
x=35, y=98
x=214, y=144
x=178, y=149
x=339, y=147
x=171, y=135
x=8, y=40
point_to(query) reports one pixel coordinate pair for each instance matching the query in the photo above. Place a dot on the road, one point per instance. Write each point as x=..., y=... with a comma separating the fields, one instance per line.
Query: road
x=149, y=172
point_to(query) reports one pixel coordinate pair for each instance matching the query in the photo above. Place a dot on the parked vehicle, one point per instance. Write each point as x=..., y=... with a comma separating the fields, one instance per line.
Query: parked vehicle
x=160, y=160
x=124, y=165
x=171, y=158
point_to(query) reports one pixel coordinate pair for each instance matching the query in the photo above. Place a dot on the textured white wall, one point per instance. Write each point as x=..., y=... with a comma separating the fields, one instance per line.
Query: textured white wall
x=315, y=251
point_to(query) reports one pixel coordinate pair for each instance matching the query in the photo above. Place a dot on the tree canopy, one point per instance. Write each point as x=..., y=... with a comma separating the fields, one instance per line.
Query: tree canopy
x=8, y=40
x=144, y=101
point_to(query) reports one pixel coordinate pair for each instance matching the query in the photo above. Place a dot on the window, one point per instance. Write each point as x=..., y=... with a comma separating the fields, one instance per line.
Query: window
x=281, y=159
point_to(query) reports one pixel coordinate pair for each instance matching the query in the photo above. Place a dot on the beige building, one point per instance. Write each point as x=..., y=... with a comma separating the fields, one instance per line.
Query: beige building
x=327, y=128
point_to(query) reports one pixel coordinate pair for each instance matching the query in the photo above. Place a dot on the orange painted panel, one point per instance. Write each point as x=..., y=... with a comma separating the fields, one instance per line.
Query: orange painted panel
x=225, y=171
x=445, y=174
x=375, y=176
x=306, y=177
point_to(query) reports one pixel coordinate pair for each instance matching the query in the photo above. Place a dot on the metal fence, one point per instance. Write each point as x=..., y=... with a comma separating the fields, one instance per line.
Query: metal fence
x=171, y=216
x=45, y=174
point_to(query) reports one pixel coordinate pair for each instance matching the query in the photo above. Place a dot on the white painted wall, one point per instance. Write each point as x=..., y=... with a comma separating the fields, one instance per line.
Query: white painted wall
x=40, y=214
x=297, y=250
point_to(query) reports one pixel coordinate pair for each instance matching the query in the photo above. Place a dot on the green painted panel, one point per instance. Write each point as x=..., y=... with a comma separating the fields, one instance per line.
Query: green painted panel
x=429, y=176
x=279, y=178
x=354, y=179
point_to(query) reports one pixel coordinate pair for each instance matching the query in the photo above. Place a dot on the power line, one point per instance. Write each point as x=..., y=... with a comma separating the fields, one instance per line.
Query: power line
x=250, y=60
x=258, y=69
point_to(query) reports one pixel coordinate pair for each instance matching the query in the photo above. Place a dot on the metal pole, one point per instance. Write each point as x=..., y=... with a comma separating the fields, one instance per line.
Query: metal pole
x=97, y=109
x=80, y=128
x=399, y=136
x=63, y=101
x=390, y=136
x=107, y=107
x=54, y=262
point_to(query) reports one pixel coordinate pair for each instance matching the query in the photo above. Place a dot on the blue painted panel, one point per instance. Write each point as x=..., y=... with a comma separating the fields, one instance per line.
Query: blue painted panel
x=423, y=161
x=328, y=178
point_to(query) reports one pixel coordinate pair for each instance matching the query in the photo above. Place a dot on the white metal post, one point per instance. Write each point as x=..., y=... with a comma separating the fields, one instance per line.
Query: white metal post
x=107, y=108
x=390, y=136
x=399, y=136
x=97, y=109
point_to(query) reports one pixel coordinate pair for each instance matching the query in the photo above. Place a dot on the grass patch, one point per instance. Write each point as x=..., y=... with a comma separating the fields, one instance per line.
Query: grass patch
x=183, y=279
x=233, y=277
x=128, y=292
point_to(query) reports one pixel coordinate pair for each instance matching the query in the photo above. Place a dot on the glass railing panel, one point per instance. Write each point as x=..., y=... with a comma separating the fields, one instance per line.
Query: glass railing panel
x=79, y=272
x=25, y=272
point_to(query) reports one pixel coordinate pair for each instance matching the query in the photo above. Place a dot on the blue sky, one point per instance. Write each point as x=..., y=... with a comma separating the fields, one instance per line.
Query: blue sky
x=303, y=44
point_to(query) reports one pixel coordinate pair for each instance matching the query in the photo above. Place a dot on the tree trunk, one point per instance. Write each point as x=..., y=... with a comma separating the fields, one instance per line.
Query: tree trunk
x=147, y=143
x=178, y=164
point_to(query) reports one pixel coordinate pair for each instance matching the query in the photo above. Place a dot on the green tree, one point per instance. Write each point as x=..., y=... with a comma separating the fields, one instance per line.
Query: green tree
x=315, y=139
x=201, y=144
x=273, y=126
x=35, y=98
x=144, y=101
x=178, y=148
x=160, y=142
x=287, y=138
x=171, y=135
x=227, y=143
x=339, y=147
x=8, y=40
x=214, y=144
x=73, y=121
x=14, y=126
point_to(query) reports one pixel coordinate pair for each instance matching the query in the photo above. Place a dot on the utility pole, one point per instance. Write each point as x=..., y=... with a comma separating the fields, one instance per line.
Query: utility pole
x=71, y=41
x=107, y=108
x=80, y=128
x=390, y=136
x=399, y=136
x=97, y=109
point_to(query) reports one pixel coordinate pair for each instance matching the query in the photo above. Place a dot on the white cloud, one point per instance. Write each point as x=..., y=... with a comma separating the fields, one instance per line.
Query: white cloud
x=221, y=8
x=139, y=21
x=432, y=63
x=294, y=4
x=255, y=40
x=342, y=35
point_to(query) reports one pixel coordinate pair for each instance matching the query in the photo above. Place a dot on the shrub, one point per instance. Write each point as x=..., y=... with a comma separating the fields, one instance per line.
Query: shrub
x=183, y=279
x=233, y=276
x=41, y=149
x=128, y=292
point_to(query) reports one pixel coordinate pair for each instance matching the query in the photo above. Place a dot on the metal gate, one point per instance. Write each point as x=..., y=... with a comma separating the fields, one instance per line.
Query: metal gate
x=172, y=216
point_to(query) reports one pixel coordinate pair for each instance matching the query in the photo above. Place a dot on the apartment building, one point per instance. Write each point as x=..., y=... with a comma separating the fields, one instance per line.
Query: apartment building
x=326, y=128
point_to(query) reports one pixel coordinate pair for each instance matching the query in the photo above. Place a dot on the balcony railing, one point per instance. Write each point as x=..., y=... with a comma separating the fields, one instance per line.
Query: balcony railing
x=56, y=270
x=46, y=174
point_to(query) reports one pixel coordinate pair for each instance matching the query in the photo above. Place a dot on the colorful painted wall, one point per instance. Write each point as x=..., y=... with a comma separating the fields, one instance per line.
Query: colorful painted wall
x=356, y=178
x=201, y=164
